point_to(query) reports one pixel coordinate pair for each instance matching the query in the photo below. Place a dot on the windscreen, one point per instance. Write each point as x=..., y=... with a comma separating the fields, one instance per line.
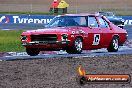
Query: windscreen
x=64, y=21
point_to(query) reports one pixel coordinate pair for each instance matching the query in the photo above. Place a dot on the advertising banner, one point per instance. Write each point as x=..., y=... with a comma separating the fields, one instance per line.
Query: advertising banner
x=128, y=20
x=40, y=19
x=25, y=19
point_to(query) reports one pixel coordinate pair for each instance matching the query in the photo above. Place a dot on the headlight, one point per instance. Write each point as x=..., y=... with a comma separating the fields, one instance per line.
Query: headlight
x=24, y=37
x=64, y=37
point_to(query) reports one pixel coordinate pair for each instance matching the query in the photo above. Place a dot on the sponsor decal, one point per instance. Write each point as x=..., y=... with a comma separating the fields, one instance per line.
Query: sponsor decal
x=96, y=39
x=84, y=78
x=4, y=19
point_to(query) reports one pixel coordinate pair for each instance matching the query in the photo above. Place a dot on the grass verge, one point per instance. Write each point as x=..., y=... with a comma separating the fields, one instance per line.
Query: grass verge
x=10, y=41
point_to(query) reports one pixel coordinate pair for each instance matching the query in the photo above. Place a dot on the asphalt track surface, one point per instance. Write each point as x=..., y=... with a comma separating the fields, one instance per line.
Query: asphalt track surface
x=129, y=31
x=62, y=54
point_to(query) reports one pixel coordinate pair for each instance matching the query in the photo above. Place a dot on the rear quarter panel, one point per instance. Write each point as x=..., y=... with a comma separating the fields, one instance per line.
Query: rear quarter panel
x=121, y=33
x=117, y=31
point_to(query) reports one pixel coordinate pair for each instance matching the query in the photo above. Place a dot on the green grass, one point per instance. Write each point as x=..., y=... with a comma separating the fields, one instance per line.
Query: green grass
x=10, y=41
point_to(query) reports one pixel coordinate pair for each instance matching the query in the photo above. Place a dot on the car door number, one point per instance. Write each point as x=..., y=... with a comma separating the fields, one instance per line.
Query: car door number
x=96, y=39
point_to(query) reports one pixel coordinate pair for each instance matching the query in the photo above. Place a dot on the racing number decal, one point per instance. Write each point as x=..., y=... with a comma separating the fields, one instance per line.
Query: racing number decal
x=96, y=39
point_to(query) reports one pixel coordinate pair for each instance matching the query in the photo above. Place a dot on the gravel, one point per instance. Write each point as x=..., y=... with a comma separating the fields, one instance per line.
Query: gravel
x=128, y=43
x=62, y=73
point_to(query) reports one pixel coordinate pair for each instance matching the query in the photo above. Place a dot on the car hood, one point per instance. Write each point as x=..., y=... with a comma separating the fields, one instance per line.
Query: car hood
x=56, y=30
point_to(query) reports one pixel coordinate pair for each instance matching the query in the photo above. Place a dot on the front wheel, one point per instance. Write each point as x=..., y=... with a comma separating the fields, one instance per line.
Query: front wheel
x=32, y=52
x=77, y=47
x=114, y=45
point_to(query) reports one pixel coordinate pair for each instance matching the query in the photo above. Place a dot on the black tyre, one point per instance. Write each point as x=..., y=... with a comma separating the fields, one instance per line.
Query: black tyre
x=77, y=47
x=32, y=52
x=114, y=45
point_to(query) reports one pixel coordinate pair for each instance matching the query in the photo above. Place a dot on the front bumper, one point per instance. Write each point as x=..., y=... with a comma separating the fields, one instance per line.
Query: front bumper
x=45, y=42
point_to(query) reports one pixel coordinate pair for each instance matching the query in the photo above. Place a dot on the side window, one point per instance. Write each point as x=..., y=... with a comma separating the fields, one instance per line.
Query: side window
x=103, y=23
x=106, y=23
x=92, y=22
x=81, y=21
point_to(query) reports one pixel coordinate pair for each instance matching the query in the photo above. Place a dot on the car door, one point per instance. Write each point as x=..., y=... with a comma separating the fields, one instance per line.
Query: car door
x=106, y=32
x=94, y=33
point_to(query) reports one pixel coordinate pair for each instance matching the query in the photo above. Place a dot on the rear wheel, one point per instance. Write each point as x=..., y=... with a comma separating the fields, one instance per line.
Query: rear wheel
x=77, y=47
x=32, y=52
x=114, y=45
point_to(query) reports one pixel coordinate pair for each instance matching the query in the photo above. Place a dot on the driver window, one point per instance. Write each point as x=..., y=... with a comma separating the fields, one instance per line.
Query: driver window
x=92, y=22
x=83, y=21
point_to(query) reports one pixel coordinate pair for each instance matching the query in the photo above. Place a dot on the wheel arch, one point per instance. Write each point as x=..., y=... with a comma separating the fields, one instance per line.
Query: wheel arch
x=116, y=35
x=79, y=37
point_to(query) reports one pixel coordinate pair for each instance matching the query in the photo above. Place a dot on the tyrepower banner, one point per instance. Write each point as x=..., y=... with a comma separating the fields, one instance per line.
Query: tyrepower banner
x=128, y=20
x=41, y=19
x=25, y=19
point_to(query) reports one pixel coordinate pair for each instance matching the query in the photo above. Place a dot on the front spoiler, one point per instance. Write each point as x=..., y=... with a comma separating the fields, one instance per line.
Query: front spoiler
x=45, y=42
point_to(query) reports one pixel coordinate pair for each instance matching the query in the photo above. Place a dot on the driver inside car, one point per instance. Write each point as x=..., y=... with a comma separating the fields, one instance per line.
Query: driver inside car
x=67, y=22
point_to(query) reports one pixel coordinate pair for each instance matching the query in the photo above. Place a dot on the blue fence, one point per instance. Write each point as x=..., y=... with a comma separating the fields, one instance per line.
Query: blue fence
x=40, y=19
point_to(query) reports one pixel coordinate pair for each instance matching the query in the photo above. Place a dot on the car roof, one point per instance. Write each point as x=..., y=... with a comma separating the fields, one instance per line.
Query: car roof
x=80, y=14
x=105, y=12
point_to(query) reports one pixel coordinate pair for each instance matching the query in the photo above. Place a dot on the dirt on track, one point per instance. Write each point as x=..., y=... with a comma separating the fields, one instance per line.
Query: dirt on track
x=61, y=73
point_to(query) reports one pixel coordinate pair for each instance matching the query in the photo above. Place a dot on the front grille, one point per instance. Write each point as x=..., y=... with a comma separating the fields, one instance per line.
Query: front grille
x=44, y=37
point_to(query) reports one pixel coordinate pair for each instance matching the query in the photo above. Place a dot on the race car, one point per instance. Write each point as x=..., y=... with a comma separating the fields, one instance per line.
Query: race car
x=112, y=18
x=74, y=33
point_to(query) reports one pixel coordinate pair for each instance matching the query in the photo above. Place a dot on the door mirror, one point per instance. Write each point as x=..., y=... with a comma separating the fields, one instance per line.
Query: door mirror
x=92, y=25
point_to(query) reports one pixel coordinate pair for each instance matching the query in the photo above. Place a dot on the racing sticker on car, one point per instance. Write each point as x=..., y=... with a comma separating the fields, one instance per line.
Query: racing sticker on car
x=96, y=39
